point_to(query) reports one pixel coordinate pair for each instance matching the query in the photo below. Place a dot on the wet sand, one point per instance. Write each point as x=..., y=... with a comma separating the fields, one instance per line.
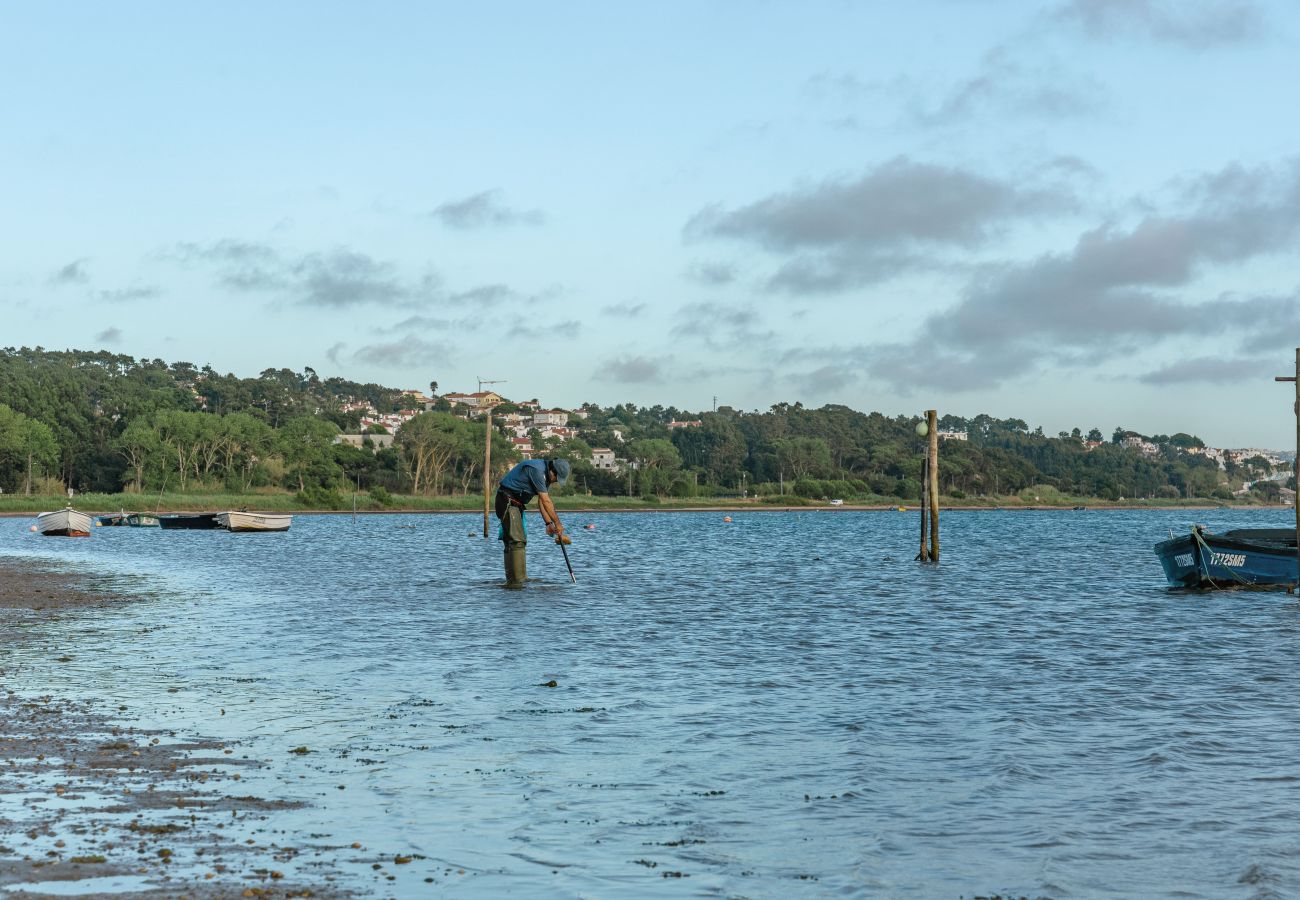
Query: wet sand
x=84, y=797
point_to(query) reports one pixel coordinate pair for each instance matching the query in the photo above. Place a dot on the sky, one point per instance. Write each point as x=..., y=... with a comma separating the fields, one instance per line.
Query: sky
x=1080, y=213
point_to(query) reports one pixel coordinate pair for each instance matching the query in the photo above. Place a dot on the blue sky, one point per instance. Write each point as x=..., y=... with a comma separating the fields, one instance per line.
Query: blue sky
x=1077, y=212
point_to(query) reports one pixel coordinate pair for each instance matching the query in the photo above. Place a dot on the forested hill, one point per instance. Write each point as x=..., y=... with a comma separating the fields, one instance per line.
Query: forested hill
x=107, y=422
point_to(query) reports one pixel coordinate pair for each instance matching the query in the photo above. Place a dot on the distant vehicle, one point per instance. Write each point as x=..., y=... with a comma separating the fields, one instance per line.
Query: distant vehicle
x=247, y=521
x=189, y=521
x=66, y=522
x=837, y=502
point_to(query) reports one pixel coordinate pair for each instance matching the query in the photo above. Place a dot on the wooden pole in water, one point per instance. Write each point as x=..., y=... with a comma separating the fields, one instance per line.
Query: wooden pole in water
x=1296, y=468
x=932, y=419
x=487, y=471
x=924, y=555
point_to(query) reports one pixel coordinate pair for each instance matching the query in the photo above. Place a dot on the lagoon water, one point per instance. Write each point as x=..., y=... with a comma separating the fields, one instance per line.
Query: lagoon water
x=786, y=705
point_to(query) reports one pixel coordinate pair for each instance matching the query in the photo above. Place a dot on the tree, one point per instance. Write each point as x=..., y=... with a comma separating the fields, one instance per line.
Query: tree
x=140, y=446
x=804, y=457
x=305, y=442
x=428, y=443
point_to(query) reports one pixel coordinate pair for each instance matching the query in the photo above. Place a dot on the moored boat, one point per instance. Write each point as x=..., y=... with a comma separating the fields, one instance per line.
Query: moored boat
x=247, y=521
x=190, y=521
x=118, y=518
x=142, y=520
x=1245, y=557
x=66, y=522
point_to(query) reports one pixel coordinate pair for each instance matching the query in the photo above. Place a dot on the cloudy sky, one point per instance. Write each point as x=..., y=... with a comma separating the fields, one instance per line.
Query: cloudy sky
x=1076, y=212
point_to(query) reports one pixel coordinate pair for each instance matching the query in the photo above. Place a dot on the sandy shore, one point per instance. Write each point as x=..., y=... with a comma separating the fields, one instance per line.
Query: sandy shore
x=86, y=797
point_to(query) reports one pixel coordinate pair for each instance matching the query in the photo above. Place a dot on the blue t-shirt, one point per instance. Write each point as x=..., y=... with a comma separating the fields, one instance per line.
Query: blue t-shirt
x=526, y=480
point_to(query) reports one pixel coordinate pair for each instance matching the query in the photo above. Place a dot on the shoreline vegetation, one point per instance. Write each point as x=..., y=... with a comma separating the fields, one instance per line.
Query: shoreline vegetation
x=13, y=505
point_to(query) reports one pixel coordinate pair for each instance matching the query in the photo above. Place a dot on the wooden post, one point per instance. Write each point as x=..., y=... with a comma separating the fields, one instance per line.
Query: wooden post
x=487, y=472
x=932, y=419
x=1296, y=468
x=924, y=555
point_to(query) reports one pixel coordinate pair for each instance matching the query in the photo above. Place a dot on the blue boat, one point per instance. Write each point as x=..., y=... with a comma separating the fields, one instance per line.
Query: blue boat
x=1246, y=557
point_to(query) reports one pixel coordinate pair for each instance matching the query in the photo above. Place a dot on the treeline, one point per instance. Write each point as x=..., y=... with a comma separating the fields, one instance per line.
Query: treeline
x=97, y=421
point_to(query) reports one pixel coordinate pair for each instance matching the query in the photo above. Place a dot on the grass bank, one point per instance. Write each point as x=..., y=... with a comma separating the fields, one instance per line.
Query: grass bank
x=284, y=501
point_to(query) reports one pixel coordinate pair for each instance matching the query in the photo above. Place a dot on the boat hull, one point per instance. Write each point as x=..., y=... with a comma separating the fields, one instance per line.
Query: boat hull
x=1242, y=559
x=246, y=521
x=190, y=522
x=64, y=523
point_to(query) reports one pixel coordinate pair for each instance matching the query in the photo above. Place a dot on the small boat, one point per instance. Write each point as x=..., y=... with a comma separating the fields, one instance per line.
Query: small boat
x=1245, y=557
x=142, y=520
x=112, y=519
x=66, y=522
x=191, y=521
x=247, y=521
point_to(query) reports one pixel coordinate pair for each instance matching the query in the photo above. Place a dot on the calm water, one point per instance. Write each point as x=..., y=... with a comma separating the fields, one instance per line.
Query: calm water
x=784, y=705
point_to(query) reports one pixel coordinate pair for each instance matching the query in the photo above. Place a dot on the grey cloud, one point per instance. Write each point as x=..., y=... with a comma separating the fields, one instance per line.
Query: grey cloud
x=826, y=379
x=73, y=273
x=1115, y=291
x=632, y=370
x=109, y=335
x=625, y=310
x=484, y=210
x=409, y=351
x=528, y=330
x=336, y=279
x=485, y=295
x=1192, y=23
x=844, y=233
x=721, y=326
x=125, y=295
x=334, y=352
x=1210, y=370
x=713, y=274
x=1006, y=85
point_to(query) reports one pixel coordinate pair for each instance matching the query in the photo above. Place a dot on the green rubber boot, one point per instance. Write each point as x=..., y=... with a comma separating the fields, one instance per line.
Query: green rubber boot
x=516, y=565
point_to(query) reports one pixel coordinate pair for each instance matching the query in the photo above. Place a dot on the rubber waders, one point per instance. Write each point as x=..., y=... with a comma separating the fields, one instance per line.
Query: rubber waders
x=516, y=564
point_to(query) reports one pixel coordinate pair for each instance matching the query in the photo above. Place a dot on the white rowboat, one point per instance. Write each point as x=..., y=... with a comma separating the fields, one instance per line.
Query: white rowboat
x=247, y=521
x=66, y=522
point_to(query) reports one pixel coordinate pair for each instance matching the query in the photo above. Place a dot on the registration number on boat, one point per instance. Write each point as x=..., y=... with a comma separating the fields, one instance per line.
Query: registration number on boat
x=1231, y=560
x=1185, y=559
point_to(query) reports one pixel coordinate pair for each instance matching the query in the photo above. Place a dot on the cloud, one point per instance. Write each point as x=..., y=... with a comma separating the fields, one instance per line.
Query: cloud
x=336, y=279
x=632, y=370
x=410, y=351
x=846, y=233
x=334, y=352
x=1118, y=290
x=485, y=295
x=126, y=295
x=1006, y=86
x=109, y=335
x=1209, y=370
x=484, y=210
x=712, y=274
x=73, y=273
x=534, y=330
x=1197, y=24
x=625, y=310
x=721, y=326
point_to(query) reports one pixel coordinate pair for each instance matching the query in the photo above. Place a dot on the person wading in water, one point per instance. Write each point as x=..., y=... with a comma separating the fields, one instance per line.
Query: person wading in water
x=531, y=478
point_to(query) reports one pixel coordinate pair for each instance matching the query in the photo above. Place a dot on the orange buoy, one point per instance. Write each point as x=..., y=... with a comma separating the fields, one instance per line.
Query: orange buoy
x=589, y=527
x=726, y=518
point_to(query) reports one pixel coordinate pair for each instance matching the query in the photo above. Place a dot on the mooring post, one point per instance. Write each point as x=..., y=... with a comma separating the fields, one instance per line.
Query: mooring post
x=932, y=420
x=924, y=555
x=1296, y=468
x=487, y=471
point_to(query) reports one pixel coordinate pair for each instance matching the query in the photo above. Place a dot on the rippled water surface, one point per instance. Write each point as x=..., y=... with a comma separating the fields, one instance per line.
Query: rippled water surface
x=783, y=705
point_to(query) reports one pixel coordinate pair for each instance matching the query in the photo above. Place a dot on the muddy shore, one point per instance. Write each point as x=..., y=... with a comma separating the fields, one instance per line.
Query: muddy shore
x=129, y=812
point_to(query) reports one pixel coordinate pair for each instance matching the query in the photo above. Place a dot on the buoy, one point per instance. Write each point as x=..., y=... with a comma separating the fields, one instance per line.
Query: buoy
x=726, y=518
x=33, y=528
x=589, y=527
